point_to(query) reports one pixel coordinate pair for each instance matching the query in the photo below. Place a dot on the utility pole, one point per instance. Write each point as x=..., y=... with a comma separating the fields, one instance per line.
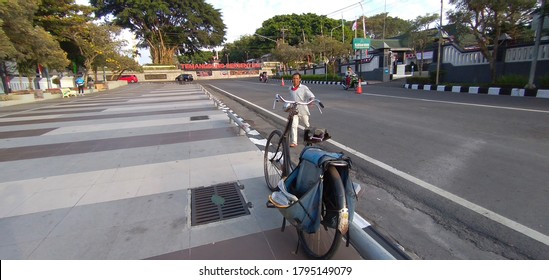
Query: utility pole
x=439, y=44
x=384, y=19
x=342, y=29
x=541, y=17
x=283, y=29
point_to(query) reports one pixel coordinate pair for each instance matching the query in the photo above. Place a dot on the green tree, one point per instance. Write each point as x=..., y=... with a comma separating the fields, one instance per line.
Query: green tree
x=7, y=50
x=488, y=20
x=119, y=63
x=324, y=49
x=199, y=57
x=422, y=35
x=167, y=27
x=384, y=26
x=289, y=56
x=251, y=46
x=56, y=16
x=246, y=48
x=295, y=29
x=93, y=41
x=33, y=45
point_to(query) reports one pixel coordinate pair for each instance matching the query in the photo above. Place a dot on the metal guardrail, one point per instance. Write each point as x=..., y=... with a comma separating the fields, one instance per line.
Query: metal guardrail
x=370, y=244
x=243, y=127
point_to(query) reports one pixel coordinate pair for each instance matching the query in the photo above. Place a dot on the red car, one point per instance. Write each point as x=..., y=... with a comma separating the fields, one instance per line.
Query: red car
x=128, y=78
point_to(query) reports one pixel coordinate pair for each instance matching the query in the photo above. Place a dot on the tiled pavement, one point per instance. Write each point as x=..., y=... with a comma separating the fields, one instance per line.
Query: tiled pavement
x=109, y=176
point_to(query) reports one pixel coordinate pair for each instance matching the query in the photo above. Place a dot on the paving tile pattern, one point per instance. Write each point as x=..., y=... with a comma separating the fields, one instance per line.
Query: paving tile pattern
x=109, y=176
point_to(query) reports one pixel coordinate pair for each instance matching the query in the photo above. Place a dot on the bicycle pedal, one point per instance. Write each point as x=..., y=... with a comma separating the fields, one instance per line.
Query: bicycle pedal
x=269, y=204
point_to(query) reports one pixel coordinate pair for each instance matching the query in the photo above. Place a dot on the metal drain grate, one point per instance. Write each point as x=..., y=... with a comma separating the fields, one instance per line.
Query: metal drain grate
x=216, y=203
x=199, y=118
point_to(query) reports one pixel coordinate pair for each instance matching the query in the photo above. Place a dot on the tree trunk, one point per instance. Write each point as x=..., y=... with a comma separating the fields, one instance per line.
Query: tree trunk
x=4, y=76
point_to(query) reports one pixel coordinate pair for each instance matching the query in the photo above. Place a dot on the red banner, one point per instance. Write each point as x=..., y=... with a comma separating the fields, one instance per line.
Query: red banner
x=221, y=66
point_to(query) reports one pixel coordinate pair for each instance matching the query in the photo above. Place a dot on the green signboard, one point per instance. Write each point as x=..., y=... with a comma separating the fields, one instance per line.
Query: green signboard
x=361, y=43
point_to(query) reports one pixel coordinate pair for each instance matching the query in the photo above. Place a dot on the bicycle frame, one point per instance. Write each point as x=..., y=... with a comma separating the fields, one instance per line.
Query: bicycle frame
x=292, y=110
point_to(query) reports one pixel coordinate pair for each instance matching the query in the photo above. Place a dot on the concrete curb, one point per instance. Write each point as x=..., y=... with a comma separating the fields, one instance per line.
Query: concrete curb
x=29, y=98
x=540, y=93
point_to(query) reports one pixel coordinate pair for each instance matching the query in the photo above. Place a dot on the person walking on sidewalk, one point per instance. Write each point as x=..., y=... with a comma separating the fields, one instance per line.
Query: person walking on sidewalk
x=300, y=93
x=91, y=85
x=80, y=84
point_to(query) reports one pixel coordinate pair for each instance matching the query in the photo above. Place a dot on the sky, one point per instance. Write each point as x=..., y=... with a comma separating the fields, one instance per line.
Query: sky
x=243, y=17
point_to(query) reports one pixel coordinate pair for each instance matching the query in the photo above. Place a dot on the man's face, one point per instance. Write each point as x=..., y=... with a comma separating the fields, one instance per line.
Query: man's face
x=296, y=80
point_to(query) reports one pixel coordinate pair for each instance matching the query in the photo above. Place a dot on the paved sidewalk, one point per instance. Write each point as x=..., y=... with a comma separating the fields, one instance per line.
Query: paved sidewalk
x=111, y=175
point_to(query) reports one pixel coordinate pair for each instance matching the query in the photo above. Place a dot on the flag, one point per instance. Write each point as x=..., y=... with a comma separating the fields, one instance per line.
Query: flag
x=354, y=26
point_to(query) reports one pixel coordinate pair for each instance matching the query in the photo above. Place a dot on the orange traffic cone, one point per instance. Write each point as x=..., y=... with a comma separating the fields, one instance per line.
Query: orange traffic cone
x=359, y=87
x=282, y=83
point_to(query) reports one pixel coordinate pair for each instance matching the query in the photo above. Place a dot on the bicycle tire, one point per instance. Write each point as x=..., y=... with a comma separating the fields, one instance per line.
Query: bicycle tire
x=275, y=165
x=325, y=242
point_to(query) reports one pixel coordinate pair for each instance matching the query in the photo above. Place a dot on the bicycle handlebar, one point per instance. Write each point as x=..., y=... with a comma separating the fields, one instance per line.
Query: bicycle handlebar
x=279, y=98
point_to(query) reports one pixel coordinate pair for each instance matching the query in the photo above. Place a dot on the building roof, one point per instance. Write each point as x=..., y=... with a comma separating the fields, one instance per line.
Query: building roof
x=393, y=44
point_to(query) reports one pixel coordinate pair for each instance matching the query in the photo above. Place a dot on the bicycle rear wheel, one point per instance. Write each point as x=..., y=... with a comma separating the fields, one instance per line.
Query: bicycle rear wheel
x=324, y=243
x=275, y=163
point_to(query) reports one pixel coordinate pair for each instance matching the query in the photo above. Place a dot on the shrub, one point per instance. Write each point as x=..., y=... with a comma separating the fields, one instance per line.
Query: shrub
x=544, y=82
x=418, y=80
x=433, y=76
x=329, y=77
x=56, y=81
x=512, y=81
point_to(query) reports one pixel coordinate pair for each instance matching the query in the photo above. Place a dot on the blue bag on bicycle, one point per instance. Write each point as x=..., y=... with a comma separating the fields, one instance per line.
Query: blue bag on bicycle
x=306, y=182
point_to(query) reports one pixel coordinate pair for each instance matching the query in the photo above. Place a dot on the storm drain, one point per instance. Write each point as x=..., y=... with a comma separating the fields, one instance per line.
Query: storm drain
x=198, y=118
x=216, y=203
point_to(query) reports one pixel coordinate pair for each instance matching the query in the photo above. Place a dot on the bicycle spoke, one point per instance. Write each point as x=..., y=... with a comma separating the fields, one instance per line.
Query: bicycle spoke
x=275, y=165
x=324, y=243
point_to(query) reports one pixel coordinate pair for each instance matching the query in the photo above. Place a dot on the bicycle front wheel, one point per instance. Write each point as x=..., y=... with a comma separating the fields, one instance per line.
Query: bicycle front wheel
x=324, y=243
x=275, y=164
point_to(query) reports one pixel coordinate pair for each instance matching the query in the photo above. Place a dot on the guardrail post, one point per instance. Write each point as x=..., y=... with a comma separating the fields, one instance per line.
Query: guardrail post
x=371, y=245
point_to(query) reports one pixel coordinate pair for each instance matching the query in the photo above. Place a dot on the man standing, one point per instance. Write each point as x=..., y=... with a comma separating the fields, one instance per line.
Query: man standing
x=80, y=84
x=299, y=93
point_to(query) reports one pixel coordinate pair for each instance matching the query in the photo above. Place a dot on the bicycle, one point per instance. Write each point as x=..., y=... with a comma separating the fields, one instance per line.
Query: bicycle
x=317, y=198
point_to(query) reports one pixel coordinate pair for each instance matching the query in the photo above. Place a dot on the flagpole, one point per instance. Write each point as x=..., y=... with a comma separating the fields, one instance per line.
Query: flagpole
x=363, y=23
x=355, y=27
x=364, y=34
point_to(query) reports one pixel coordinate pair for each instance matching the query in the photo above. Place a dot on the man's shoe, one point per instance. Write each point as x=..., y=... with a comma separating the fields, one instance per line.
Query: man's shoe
x=293, y=145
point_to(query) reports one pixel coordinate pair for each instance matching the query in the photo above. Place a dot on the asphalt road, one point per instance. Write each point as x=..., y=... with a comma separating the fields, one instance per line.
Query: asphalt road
x=447, y=175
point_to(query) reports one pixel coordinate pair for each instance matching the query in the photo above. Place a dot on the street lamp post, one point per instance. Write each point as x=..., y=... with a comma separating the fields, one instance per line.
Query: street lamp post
x=228, y=71
x=332, y=31
x=265, y=37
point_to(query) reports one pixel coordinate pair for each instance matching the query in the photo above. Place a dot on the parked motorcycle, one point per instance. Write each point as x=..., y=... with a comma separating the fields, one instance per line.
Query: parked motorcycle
x=349, y=82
